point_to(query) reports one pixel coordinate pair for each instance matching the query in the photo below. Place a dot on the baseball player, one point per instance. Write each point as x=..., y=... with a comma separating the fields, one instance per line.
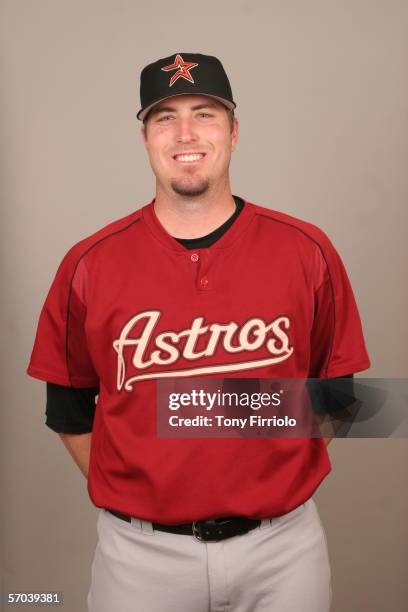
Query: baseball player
x=196, y=282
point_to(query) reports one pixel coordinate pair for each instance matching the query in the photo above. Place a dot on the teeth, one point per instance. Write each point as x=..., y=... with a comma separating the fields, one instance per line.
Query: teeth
x=189, y=158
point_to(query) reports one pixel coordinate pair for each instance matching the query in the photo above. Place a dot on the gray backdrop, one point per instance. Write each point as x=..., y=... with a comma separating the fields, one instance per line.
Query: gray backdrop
x=322, y=92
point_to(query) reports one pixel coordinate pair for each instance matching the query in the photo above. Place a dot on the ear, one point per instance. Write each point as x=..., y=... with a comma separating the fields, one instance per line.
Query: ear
x=143, y=134
x=234, y=134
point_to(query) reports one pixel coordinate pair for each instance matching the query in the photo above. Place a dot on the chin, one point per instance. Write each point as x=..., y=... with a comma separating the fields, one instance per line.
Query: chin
x=190, y=189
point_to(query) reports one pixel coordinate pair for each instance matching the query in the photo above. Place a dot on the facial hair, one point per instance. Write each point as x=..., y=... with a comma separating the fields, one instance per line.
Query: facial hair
x=191, y=190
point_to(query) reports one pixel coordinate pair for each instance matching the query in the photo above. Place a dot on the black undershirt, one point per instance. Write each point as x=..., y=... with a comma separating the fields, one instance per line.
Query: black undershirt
x=209, y=239
x=72, y=409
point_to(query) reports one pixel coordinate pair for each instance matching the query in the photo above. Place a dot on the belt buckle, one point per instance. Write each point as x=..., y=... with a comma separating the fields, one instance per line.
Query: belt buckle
x=197, y=533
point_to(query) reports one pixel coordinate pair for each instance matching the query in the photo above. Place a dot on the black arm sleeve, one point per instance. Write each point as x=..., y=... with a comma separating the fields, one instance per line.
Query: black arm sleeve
x=70, y=409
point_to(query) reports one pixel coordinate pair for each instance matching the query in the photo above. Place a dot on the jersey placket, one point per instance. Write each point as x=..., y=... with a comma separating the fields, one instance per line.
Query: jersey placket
x=202, y=259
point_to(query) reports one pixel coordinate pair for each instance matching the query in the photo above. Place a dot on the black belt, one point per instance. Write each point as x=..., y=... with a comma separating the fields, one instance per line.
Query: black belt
x=210, y=530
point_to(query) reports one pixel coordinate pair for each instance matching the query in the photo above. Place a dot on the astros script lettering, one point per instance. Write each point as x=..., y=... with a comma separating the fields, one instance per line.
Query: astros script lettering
x=231, y=337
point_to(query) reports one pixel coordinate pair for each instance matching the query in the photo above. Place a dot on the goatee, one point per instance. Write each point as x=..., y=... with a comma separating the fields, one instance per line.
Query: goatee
x=190, y=190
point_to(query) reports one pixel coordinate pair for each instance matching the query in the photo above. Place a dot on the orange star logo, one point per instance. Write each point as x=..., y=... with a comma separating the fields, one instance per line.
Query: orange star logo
x=183, y=69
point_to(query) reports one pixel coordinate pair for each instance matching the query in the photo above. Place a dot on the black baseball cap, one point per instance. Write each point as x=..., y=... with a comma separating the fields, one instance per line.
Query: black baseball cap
x=183, y=73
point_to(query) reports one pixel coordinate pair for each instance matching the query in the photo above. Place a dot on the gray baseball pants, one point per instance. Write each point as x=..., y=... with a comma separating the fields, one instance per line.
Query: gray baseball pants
x=281, y=566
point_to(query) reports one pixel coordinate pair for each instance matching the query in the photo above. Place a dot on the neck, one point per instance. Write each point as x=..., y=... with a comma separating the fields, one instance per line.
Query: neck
x=185, y=217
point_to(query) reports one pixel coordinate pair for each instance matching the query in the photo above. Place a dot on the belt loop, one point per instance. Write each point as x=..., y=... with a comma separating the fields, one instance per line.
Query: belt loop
x=147, y=527
x=265, y=523
x=136, y=523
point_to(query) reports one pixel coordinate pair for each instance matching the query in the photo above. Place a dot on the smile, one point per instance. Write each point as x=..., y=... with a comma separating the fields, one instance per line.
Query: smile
x=188, y=158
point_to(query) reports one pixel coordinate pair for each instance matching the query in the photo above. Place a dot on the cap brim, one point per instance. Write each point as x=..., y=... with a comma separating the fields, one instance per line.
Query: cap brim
x=144, y=111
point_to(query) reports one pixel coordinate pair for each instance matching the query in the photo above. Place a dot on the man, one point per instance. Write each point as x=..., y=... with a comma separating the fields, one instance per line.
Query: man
x=198, y=282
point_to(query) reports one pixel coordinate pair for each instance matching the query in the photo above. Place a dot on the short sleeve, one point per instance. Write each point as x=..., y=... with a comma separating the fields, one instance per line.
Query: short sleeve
x=60, y=353
x=337, y=345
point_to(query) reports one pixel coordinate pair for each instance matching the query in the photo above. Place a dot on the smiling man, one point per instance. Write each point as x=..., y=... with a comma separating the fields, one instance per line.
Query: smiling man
x=197, y=282
x=189, y=144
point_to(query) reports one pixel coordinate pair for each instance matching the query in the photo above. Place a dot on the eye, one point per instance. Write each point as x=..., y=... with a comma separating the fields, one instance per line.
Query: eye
x=205, y=115
x=164, y=118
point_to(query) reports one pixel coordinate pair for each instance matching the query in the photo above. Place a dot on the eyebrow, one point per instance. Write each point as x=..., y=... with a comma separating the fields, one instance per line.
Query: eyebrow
x=171, y=109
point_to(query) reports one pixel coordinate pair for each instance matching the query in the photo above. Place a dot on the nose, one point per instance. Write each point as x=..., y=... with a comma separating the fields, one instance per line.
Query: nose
x=185, y=130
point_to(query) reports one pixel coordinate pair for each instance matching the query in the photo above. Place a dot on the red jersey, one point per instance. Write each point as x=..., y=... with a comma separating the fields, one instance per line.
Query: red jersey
x=130, y=305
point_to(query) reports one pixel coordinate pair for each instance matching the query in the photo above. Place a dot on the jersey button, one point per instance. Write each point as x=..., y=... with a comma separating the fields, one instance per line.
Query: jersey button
x=204, y=282
x=194, y=257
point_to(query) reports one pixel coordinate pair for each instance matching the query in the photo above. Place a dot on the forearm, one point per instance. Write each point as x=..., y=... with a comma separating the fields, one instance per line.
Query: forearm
x=327, y=431
x=79, y=447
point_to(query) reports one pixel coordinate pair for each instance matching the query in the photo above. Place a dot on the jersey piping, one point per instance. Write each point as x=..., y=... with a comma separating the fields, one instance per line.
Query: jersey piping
x=332, y=335
x=138, y=218
x=258, y=210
